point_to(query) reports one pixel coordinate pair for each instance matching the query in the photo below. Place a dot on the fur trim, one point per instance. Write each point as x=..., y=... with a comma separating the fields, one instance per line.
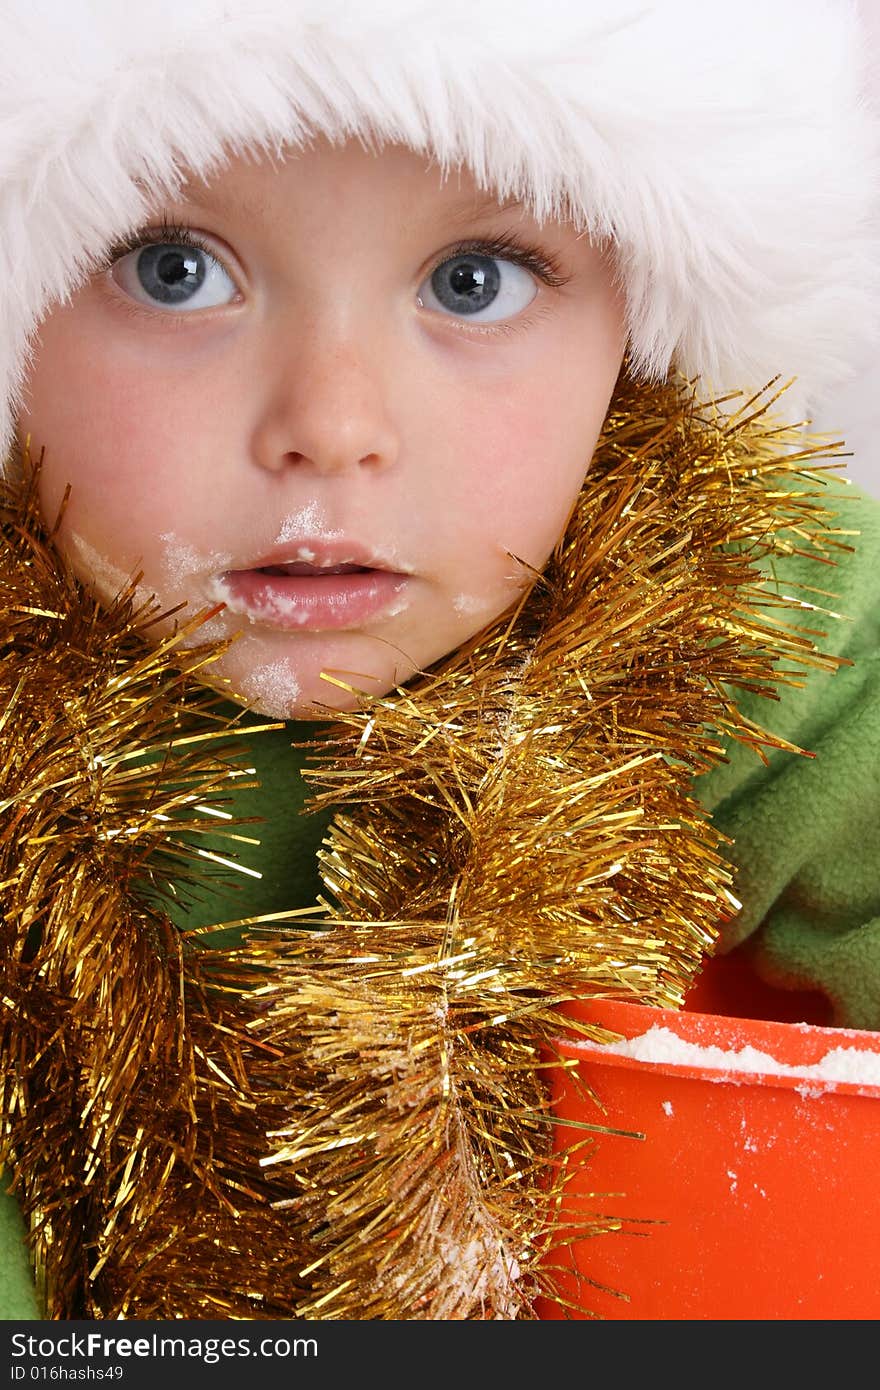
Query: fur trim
x=726, y=151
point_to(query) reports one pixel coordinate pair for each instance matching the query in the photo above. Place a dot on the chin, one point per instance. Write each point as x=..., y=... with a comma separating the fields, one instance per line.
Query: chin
x=280, y=688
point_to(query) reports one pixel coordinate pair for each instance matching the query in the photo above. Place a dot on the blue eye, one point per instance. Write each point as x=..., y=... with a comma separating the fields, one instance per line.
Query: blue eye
x=472, y=285
x=175, y=276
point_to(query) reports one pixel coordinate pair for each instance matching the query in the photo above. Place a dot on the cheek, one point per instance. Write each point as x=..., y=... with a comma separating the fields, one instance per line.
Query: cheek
x=523, y=464
x=117, y=445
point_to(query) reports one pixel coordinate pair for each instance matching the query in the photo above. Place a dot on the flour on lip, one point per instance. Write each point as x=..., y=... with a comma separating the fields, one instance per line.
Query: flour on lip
x=278, y=606
x=399, y=605
x=325, y=602
x=305, y=555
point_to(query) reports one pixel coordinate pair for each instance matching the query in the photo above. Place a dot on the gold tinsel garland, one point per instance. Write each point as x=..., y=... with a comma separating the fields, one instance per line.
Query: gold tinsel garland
x=352, y=1122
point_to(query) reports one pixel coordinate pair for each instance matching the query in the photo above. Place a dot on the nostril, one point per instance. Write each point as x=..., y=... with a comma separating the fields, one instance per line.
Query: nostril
x=329, y=463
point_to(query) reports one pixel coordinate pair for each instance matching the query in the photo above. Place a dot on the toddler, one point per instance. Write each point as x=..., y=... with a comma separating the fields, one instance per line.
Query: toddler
x=393, y=369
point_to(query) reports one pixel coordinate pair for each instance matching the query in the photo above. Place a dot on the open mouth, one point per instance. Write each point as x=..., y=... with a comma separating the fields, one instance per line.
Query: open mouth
x=297, y=568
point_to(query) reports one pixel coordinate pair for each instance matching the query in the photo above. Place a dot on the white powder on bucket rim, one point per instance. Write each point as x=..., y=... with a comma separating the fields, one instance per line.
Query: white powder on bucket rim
x=851, y=1065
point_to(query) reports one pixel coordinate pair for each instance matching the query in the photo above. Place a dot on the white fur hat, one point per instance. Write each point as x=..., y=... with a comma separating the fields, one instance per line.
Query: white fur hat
x=726, y=149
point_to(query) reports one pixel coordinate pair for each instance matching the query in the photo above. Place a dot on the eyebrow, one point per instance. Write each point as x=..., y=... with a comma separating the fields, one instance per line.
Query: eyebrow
x=470, y=207
x=216, y=202
x=476, y=206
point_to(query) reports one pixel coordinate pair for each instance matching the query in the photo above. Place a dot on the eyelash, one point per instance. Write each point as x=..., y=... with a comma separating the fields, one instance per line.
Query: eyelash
x=172, y=232
x=507, y=247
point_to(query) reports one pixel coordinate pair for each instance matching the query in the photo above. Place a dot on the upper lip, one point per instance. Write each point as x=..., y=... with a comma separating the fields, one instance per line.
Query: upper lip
x=321, y=552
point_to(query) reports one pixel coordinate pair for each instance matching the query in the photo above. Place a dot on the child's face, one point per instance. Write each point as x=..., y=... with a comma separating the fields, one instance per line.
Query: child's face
x=340, y=401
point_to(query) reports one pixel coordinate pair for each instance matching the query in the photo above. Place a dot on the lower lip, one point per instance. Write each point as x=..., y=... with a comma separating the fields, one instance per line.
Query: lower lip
x=311, y=603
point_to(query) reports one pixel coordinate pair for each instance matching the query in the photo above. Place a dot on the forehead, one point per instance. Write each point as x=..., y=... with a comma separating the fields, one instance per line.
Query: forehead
x=253, y=185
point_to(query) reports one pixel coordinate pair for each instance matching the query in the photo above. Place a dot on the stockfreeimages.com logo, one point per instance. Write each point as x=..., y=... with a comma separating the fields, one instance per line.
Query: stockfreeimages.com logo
x=209, y=1350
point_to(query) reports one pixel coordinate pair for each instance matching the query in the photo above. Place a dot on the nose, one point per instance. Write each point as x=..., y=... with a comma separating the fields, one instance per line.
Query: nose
x=328, y=409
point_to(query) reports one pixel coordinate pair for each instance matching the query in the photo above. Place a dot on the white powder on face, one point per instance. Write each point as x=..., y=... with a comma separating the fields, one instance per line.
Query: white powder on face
x=840, y=1064
x=107, y=579
x=308, y=521
x=214, y=630
x=182, y=560
x=273, y=689
x=467, y=604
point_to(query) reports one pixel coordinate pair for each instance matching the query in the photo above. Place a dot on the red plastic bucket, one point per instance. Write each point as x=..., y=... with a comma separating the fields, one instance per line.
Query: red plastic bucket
x=753, y=1192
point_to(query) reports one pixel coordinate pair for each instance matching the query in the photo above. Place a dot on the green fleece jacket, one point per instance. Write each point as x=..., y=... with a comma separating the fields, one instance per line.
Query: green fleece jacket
x=805, y=830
